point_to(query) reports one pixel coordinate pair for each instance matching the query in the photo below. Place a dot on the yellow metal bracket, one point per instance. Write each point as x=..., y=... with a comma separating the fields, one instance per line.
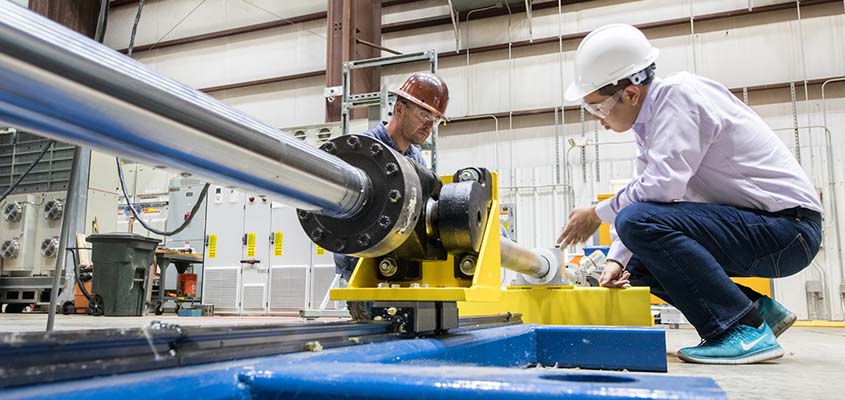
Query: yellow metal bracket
x=439, y=282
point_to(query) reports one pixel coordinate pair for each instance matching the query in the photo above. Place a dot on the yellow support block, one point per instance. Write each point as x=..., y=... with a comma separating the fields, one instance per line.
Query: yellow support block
x=604, y=228
x=760, y=285
x=568, y=305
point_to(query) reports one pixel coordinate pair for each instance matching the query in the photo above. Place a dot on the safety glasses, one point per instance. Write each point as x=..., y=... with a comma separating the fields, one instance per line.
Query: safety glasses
x=602, y=109
x=425, y=116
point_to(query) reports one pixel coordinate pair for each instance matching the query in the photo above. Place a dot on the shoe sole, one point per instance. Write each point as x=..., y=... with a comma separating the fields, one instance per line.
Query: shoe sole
x=752, y=358
x=784, y=324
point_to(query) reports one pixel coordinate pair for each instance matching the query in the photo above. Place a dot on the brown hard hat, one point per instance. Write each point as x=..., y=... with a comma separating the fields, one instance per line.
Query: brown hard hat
x=426, y=90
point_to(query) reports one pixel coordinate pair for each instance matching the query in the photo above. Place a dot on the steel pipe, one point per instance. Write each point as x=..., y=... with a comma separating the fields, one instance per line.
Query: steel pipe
x=524, y=261
x=67, y=87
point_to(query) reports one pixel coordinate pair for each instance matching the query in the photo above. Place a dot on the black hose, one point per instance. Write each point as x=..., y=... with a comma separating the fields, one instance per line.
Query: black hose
x=182, y=227
x=28, y=170
x=135, y=29
x=73, y=253
x=120, y=170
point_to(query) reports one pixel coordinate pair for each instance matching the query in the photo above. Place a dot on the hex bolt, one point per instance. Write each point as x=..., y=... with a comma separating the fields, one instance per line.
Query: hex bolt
x=388, y=267
x=384, y=221
x=353, y=142
x=394, y=196
x=468, y=175
x=339, y=245
x=364, y=239
x=303, y=215
x=415, y=285
x=317, y=234
x=329, y=147
x=395, y=286
x=391, y=168
x=392, y=311
x=375, y=149
x=467, y=265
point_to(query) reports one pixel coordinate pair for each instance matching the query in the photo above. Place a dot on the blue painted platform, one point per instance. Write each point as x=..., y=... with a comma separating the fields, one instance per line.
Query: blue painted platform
x=486, y=363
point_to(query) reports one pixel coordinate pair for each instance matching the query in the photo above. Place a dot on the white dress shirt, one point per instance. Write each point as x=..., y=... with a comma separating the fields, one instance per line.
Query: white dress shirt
x=697, y=142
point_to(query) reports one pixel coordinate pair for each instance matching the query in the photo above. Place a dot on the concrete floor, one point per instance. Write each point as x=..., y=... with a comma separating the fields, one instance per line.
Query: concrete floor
x=813, y=367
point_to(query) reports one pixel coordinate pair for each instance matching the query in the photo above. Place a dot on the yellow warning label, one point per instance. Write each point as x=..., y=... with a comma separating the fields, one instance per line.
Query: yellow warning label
x=250, y=244
x=212, y=246
x=277, y=243
x=319, y=250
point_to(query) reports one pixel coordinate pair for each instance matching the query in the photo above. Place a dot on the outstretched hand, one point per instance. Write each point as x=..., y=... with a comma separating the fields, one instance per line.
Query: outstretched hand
x=583, y=222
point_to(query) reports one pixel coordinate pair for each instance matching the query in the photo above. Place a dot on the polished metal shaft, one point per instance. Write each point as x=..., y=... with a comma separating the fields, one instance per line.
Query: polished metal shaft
x=70, y=88
x=519, y=259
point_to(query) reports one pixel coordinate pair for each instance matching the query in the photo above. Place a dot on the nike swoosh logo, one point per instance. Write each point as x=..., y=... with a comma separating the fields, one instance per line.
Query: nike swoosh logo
x=748, y=346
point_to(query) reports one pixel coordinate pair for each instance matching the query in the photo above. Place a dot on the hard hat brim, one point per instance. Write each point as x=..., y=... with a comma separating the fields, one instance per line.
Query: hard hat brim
x=403, y=94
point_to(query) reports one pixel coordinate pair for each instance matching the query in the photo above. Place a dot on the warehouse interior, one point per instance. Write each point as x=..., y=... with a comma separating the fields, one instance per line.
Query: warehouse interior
x=171, y=122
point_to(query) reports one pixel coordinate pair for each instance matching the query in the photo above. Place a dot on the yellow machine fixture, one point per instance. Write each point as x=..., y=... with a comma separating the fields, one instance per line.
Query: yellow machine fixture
x=482, y=295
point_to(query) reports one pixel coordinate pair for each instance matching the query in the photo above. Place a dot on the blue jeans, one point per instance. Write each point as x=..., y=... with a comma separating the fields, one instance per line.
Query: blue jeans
x=687, y=252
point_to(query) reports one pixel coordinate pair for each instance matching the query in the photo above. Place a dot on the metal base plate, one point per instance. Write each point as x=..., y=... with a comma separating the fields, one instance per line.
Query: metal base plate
x=501, y=362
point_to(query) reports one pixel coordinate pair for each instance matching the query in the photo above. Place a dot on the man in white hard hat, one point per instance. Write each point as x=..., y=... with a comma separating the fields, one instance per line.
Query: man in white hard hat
x=717, y=195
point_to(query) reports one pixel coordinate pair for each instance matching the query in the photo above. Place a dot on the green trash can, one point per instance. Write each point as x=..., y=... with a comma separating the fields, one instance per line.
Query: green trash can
x=121, y=264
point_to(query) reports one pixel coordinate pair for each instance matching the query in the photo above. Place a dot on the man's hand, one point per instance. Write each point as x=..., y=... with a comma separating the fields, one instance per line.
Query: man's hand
x=583, y=222
x=614, y=276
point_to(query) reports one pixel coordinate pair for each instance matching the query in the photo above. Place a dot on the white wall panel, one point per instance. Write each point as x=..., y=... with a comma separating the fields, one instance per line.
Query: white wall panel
x=415, y=10
x=279, y=105
x=258, y=55
x=160, y=16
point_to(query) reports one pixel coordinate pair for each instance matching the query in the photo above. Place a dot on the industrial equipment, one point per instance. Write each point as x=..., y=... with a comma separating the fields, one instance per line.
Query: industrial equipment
x=29, y=241
x=428, y=243
x=258, y=260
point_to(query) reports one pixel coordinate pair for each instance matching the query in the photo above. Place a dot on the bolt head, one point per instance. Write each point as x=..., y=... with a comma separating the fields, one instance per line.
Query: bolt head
x=353, y=142
x=317, y=234
x=339, y=245
x=394, y=196
x=364, y=239
x=303, y=215
x=384, y=221
x=329, y=147
x=391, y=168
x=468, y=175
x=375, y=149
x=467, y=266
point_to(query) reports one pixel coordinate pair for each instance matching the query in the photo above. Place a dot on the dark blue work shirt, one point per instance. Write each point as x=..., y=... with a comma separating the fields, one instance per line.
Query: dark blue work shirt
x=344, y=265
x=380, y=133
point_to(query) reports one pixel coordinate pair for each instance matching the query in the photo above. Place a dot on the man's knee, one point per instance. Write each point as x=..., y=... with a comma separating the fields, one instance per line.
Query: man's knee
x=630, y=221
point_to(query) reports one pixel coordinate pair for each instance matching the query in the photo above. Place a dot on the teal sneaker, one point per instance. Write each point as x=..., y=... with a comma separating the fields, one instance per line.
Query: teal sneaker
x=741, y=344
x=775, y=314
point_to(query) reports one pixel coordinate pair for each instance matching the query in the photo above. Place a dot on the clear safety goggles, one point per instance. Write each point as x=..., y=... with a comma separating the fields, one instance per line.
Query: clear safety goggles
x=602, y=109
x=426, y=116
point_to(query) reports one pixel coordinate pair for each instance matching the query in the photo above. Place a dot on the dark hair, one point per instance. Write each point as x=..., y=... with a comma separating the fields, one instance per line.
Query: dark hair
x=611, y=89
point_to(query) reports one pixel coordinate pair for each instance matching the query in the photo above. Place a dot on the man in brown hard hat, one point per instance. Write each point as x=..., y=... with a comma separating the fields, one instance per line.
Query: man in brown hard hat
x=420, y=106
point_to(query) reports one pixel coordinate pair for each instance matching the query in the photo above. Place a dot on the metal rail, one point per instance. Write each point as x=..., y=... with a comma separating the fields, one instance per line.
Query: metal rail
x=71, y=88
x=29, y=358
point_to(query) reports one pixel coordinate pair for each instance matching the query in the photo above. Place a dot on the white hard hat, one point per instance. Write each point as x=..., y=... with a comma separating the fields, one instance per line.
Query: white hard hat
x=608, y=55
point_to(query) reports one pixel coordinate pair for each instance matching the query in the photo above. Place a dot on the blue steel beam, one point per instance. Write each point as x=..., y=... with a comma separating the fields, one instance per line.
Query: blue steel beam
x=379, y=381
x=484, y=362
